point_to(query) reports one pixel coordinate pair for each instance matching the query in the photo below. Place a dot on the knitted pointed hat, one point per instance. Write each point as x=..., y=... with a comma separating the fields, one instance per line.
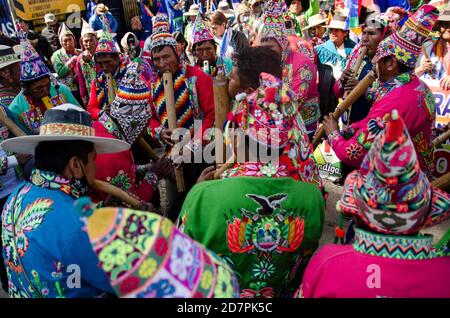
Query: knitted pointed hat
x=63, y=31
x=131, y=107
x=274, y=26
x=144, y=255
x=406, y=44
x=161, y=35
x=87, y=29
x=106, y=43
x=31, y=65
x=201, y=32
x=390, y=193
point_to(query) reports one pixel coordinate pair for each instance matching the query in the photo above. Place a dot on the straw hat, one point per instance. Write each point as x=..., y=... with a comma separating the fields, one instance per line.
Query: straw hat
x=224, y=7
x=65, y=122
x=315, y=20
x=101, y=9
x=9, y=55
x=338, y=22
x=194, y=10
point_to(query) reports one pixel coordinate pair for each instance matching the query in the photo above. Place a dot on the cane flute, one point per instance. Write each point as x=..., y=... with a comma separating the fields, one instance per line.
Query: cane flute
x=442, y=182
x=439, y=140
x=147, y=149
x=427, y=56
x=8, y=123
x=358, y=91
x=172, y=119
x=358, y=63
x=111, y=89
x=227, y=165
x=103, y=186
x=221, y=110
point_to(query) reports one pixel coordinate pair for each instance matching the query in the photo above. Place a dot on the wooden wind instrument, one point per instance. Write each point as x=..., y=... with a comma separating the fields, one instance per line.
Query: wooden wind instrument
x=355, y=69
x=147, y=149
x=427, y=56
x=442, y=182
x=108, y=188
x=7, y=122
x=172, y=119
x=358, y=91
x=439, y=140
x=221, y=110
x=111, y=89
x=227, y=165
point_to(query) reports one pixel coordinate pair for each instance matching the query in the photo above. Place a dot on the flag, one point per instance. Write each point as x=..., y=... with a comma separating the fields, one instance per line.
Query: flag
x=353, y=9
x=385, y=4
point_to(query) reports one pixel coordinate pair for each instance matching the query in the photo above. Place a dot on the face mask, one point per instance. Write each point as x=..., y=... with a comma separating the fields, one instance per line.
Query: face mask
x=80, y=186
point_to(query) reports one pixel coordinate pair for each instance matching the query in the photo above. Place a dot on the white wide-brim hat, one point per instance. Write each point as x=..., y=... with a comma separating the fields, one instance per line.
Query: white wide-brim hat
x=9, y=55
x=315, y=20
x=63, y=123
x=194, y=10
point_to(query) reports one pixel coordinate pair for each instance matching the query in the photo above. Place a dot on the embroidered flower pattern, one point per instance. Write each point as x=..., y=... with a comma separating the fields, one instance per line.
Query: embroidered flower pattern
x=148, y=268
x=263, y=270
x=121, y=180
x=115, y=254
x=181, y=257
x=269, y=170
x=354, y=151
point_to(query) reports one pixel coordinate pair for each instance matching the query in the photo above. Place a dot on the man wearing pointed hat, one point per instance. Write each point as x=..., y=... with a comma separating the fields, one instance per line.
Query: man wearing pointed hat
x=65, y=60
x=397, y=87
x=194, y=100
x=85, y=66
x=259, y=201
x=127, y=120
x=40, y=91
x=42, y=234
x=112, y=67
x=204, y=48
x=298, y=69
x=392, y=201
x=335, y=51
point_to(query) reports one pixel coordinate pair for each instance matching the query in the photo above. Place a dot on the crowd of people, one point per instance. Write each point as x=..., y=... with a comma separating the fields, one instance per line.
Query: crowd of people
x=94, y=180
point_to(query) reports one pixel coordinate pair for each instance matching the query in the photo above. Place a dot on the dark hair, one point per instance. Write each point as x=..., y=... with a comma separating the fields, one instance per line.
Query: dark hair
x=31, y=82
x=162, y=47
x=252, y=61
x=113, y=55
x=179, y=37
x=219, y=18
x=203, y=42
x=54, y=156
x=403, y=68
x=305, y=4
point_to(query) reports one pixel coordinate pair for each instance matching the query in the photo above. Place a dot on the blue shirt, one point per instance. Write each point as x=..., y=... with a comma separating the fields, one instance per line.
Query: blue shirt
x=96, y=23
x=44, y=243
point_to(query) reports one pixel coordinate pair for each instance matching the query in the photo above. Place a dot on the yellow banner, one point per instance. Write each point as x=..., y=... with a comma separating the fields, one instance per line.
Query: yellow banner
x=36, y=9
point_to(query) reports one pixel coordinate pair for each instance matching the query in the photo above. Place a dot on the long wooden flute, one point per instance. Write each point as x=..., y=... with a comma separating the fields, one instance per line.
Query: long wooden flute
x=439, y=140
x=172, y=119
x=358, y=91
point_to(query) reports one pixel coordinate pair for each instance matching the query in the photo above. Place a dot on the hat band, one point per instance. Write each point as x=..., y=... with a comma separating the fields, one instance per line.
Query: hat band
x=62, y=129
x=8, y=58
